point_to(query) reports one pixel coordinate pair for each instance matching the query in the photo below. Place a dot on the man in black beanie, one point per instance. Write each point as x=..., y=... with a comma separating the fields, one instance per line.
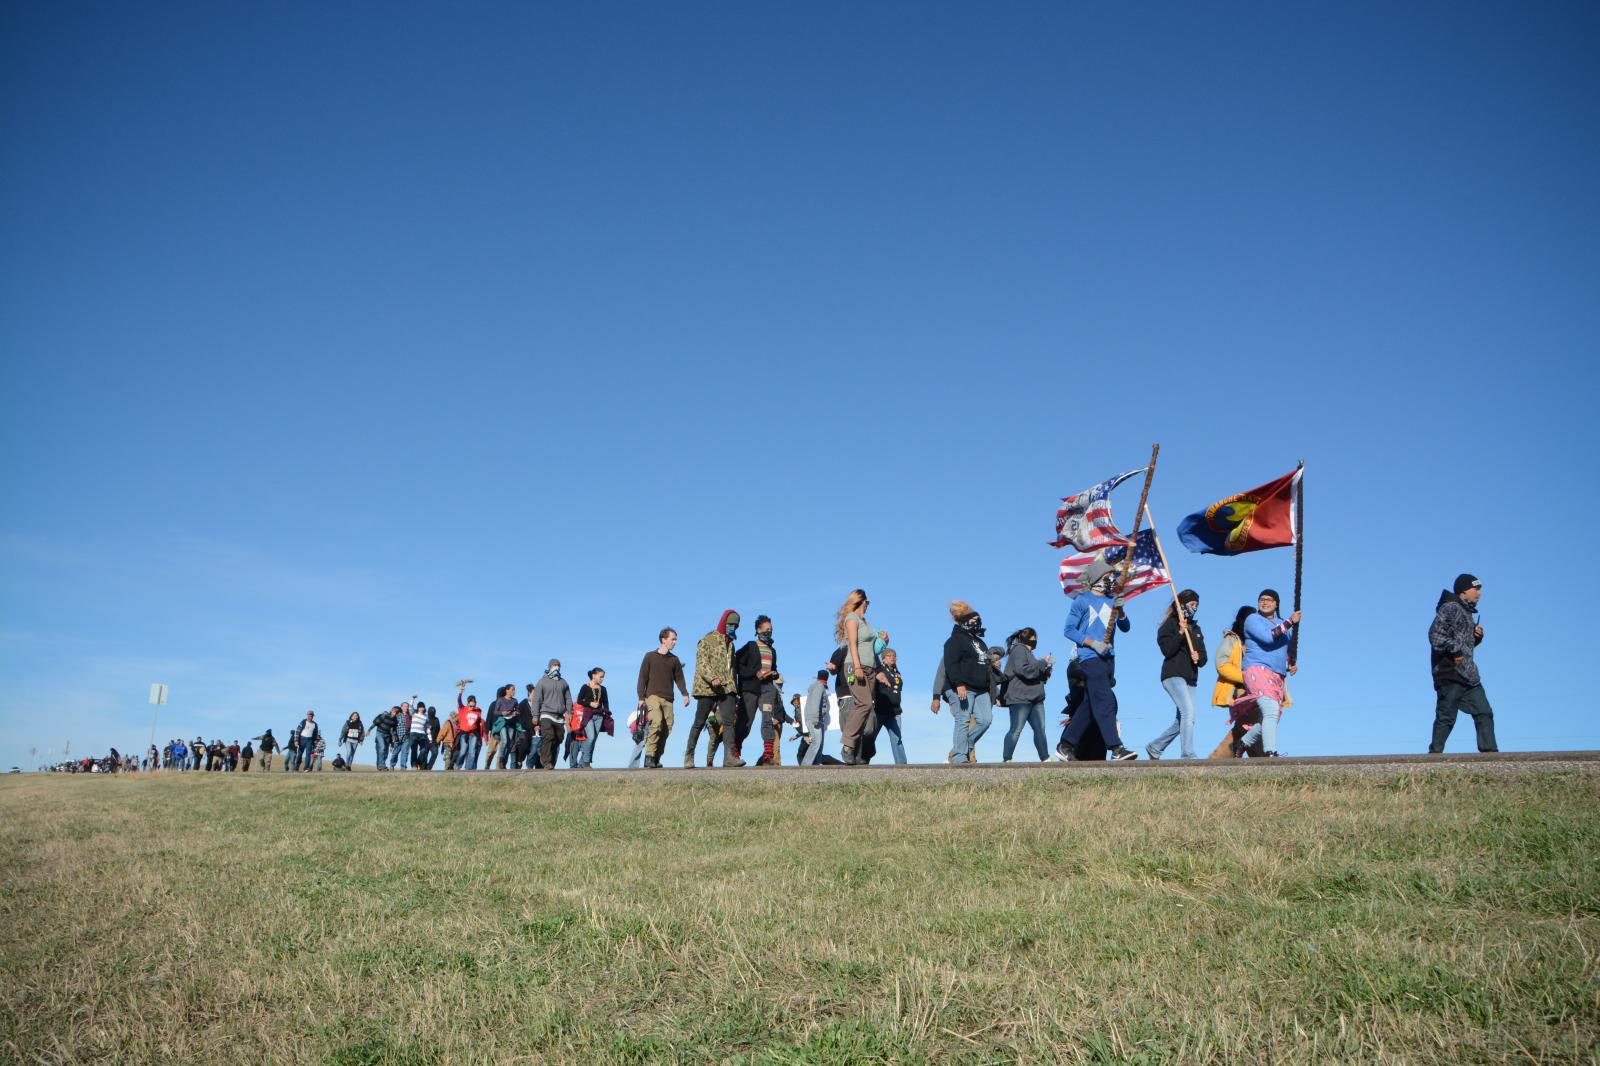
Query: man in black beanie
x=1453, y=637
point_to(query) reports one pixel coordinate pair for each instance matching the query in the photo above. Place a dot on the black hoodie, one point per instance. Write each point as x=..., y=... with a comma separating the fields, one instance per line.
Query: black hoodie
x=966, y=661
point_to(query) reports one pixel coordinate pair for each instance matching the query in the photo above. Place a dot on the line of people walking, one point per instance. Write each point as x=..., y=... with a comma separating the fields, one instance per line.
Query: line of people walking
x=738, y=689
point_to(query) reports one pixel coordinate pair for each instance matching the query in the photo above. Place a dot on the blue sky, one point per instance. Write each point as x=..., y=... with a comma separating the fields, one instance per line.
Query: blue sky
x=342, y=356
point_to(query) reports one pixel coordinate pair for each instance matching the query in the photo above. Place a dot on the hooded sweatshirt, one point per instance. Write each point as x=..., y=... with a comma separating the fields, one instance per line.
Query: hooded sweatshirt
x=552, y=699
x=713, y=662
x=966, y=661
x=1026, y=675
x=1453, y=633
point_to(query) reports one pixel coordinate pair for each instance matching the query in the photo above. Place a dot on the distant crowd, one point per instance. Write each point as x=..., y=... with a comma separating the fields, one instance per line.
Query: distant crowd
x=736, y=690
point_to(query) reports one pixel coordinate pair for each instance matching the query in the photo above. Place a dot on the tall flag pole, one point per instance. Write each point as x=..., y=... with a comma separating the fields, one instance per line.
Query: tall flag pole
x=1183, y=623
x=1127, y=559
x=1299, y=557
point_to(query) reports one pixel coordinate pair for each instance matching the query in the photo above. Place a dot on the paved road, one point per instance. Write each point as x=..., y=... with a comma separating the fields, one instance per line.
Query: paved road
x=1503, y=762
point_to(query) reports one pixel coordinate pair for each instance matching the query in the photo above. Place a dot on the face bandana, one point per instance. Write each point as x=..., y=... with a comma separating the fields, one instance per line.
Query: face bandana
x=765, y=638
x=1190, y=610
x=973, y=625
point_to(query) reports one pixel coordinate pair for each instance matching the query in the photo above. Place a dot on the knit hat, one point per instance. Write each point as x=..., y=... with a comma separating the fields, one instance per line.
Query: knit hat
x=1188, y=596
x=1095, y=571
x=1271, y=592
x=822, y=675
x=553, y=663
x=1465, y=582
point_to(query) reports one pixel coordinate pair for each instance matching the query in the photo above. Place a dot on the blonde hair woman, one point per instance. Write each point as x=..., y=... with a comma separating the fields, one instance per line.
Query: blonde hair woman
x=850, y=629
x=966, y=680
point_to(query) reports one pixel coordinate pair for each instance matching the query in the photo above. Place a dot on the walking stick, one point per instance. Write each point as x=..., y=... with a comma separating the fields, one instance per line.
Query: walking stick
x=1183, y=623
x=1127, y=558
x=1299, y=556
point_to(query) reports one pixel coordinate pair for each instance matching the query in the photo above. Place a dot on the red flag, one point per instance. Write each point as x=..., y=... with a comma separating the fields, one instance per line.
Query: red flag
x=1246, y=521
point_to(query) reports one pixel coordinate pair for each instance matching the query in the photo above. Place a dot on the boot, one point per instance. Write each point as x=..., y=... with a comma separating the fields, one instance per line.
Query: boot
x=730, y=758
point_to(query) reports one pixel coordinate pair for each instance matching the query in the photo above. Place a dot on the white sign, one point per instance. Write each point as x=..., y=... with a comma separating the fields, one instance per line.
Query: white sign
x=158, y=694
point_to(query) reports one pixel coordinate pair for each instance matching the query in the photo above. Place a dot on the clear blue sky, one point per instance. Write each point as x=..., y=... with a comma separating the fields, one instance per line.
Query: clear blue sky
x=347, y=352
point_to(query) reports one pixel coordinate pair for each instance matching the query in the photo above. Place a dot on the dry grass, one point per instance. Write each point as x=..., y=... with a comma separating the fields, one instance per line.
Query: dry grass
x=1445, y=917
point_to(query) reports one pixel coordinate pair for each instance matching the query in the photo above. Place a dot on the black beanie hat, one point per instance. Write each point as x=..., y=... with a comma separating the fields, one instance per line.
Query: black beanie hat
x=1274, y=594
x=1465, y=582
x=822, y=675
x=1188, y=596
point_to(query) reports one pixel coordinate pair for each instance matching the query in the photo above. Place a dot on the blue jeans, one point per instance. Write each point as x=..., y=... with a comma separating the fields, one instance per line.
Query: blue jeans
x=535, y=746
x=637, y=760
x=891, y=726
x=380, y=749
x=400, y=754
x=1182, y=694
x=591, y=734
x=977, y=707
x=349, y=748
x=291, y=760
x=1030, y=714
x=467, y=748
x=1266, y=729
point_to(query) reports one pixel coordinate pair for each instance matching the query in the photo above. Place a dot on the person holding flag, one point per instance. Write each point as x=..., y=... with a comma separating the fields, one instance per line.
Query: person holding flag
x=1266, y=663
x=1086, y=627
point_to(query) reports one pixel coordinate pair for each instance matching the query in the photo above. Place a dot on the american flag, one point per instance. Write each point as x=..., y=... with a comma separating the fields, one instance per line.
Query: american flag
x=1144, y=575
x=1084, y=520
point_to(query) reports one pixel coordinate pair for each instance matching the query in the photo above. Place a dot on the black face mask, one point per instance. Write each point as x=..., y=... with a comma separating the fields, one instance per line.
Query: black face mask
x=765, y=638
x=974, y=625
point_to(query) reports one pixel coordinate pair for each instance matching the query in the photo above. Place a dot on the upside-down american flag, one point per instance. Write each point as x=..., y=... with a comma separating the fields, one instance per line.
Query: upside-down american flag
x=1084, y=520
x=1145, y=574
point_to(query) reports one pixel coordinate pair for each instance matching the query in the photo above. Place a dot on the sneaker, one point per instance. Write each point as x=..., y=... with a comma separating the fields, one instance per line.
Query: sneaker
x=688, y=760
x=652, y=764
x=1121, y=754
x=1064, y=754
x=949, y=756
x=972, y=756
x=1152, y=754
x=1269, y=755
x=1237, y=749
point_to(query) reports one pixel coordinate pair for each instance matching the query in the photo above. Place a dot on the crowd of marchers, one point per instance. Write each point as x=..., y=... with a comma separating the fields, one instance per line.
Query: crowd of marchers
x=736, y=689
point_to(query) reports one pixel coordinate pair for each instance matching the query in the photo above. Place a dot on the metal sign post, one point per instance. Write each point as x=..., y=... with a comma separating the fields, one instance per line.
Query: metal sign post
x=158, y=696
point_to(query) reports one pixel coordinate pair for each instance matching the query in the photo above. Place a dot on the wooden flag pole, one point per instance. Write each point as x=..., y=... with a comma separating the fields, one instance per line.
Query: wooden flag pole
x=1133, y=542
x=1299, y=557
x=1183, y=623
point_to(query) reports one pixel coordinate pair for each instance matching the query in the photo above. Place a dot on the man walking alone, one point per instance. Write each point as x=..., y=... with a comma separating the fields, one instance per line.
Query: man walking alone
x=1453, y=636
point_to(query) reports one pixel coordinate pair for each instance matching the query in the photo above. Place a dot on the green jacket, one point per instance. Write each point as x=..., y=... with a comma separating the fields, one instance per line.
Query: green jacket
x=713, y=658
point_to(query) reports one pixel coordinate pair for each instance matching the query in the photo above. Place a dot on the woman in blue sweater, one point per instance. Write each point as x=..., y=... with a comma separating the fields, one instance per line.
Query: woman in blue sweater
x=1266, y=664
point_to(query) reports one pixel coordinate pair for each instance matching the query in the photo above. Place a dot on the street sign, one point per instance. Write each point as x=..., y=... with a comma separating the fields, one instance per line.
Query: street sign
x=158, y=694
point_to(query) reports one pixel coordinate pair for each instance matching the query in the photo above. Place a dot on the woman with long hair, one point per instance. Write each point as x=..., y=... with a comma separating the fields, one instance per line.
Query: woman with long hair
x=850, y=629
x=1183, y=651
x=594, y=707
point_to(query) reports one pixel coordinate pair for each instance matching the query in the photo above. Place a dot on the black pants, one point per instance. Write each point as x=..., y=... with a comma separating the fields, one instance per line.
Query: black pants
x=703, y=706
x=1102, y=705
x=1456, y=698
x=550, y=734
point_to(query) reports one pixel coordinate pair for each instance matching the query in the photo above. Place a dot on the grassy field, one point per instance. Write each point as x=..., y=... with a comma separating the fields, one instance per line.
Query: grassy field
x=1055, y=917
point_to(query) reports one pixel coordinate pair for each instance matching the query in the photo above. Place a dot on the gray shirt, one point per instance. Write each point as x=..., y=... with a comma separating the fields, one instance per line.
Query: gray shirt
x=1026, y=674
x=552, y=699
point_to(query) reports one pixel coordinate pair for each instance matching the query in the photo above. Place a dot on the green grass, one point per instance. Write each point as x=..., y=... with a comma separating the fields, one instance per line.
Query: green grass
x=1059, y=917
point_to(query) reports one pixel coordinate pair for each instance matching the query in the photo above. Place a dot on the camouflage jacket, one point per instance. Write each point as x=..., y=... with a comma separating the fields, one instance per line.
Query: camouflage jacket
x=713, y=658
